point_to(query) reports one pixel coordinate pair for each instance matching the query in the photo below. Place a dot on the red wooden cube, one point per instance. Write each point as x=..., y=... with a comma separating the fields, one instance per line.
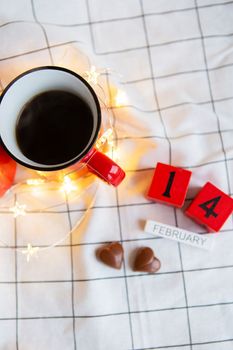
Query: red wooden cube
x=169, y=185
x=211, y=207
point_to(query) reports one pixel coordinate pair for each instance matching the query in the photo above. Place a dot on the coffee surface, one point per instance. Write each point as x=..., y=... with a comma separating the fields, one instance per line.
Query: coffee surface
x=54, y=127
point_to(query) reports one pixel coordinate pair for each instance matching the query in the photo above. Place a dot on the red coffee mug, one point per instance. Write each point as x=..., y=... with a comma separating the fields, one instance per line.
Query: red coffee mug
x=47, y=78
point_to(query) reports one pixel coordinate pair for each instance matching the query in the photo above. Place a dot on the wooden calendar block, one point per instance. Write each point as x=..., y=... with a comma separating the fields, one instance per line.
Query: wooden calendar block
x=211, y=207
x=169, y=185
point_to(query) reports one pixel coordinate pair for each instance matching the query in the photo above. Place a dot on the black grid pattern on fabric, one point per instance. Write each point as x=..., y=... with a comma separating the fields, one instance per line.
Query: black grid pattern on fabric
x=170, y=160
x=116, y=192
x=211, y=101
x=122, y=18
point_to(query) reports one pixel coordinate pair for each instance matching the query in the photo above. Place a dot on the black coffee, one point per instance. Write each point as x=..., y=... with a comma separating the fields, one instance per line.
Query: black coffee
x=54, y=127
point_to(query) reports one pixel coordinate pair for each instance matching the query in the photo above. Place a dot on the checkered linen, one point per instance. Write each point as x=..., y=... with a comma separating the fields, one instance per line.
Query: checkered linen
x=174, y=59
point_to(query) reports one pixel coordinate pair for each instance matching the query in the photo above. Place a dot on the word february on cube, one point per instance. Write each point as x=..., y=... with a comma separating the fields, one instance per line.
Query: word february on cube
x=211, y=207
x=179, y=235
x=169, y=185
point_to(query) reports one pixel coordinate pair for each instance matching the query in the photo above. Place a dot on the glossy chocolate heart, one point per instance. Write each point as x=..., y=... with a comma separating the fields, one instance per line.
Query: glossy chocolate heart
x=111, y=254
x=145, y=261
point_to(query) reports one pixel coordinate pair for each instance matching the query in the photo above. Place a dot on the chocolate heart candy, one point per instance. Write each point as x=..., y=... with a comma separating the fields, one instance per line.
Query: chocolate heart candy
x=111, y=254
x=145, y=261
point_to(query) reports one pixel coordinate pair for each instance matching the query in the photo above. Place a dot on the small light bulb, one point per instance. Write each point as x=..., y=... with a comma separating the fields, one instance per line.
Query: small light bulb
x=113, y=153
x=104, y=138
x=18, y=210
x=120, y=98
x=68, y=186
x=35, y=182
x=92, y=76
x=30, y=251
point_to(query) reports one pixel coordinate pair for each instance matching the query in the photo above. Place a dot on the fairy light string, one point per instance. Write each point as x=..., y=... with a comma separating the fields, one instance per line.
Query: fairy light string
x=66, y=183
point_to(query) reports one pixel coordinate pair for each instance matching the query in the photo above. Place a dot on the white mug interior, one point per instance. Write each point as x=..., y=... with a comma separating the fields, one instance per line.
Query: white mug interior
x=30, y=84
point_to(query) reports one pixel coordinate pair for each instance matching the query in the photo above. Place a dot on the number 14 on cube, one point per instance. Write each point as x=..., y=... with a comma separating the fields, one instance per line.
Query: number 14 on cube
x=211, y=207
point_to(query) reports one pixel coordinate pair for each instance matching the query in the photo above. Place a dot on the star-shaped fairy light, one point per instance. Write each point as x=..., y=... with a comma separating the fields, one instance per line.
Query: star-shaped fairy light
x=120, y=98
x=35, y=182
x=18, y=209
x=68, y=186
x=92, y=75
x=30, y=251
x=106, y=137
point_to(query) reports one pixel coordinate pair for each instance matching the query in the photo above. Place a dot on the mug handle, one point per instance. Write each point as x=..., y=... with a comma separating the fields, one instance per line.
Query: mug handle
x=104, y=167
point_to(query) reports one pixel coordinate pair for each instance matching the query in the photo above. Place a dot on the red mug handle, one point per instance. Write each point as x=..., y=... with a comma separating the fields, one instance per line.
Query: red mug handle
x=104, y=167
